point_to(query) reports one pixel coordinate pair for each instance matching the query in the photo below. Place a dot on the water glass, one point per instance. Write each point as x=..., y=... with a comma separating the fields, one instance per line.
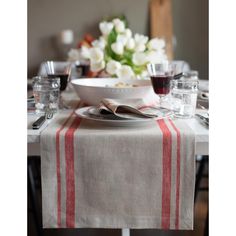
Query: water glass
x=46, y=93
x=184, y=97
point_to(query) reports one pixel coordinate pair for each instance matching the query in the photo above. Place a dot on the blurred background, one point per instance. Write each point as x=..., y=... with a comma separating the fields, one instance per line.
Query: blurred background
x=47, y=18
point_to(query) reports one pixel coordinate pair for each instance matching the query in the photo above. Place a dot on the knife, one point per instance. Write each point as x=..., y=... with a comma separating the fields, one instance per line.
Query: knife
x=203, y=118
x=38, y=123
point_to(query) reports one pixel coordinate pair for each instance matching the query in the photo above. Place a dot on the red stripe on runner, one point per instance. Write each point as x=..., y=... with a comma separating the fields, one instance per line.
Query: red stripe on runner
x=166, y=174
x=58, y=166
x=70, y=175
x=177, y=175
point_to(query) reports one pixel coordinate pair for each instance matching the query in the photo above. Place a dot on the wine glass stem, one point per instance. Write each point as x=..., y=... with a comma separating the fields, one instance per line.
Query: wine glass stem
x=62, y=105
x=161, y=100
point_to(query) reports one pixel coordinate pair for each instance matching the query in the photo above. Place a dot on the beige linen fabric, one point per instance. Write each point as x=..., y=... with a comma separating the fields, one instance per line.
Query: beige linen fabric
x=97, y=176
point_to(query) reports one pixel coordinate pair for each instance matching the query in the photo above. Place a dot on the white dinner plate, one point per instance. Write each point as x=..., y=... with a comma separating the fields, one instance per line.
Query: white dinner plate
x=89, y=113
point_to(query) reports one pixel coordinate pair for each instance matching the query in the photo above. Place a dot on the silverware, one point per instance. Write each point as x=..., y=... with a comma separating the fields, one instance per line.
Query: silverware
x=30, y=99
x=203, y=108
x=178, y=76
x=38, y=123
x=204, y=119
x=49, y=113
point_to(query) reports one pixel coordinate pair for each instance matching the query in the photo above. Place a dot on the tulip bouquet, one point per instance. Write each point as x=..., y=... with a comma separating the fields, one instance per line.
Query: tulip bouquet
x=119, y=53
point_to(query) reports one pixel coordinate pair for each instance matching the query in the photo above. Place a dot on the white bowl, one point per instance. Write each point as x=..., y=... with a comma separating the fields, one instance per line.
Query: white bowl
x=93, y=90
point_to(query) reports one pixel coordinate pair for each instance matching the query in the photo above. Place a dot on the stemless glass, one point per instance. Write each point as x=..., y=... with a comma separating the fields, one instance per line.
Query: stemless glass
x=161, y=74
x=184, y=97
x=46, y=94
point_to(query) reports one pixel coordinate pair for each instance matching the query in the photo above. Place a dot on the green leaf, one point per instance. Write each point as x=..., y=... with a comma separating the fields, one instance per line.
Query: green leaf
x=112, y=37
x=138, y=69
x=109, y=54
x=124, y=19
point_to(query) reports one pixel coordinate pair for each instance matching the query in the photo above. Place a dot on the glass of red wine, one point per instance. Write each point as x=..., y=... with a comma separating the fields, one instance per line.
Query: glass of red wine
x=161, y=75
x=60, y=70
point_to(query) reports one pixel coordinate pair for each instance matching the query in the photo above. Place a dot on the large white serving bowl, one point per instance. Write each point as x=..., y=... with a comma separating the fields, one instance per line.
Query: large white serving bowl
x=93, y=90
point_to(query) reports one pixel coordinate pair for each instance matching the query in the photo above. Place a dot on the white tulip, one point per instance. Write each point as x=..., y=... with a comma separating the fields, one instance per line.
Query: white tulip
x=106, y=27
x=139, y=58
x=156, y=44
x=121, y=38
x=118, y=48
x=139, y=47
x=140, y=39
x=96, y=43
x=130, y=44
x=116, y=21
x=125, y=72
x=156, y=56
x=100, y=43
x=144, y=74
x=103, y=39
x=96, y=55
x=119, y=25
x=73, y=55
x=128, y=33
x=85, y=52
x=112, y=67
x=162, y=54
x=95, y=67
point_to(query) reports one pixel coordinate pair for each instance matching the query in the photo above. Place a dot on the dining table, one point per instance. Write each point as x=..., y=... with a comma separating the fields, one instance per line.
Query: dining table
x=34, y=136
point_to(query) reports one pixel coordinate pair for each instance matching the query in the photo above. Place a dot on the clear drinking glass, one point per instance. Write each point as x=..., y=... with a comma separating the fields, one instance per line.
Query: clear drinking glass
x=46, y=94
x=184, y=97
x=161, y=75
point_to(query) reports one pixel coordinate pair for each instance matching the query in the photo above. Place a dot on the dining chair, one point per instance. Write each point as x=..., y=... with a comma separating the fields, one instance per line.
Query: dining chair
x=34, y=186
x=202, y=162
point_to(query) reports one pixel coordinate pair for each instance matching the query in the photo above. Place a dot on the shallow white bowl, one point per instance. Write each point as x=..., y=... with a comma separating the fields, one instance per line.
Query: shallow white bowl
x=93, y=90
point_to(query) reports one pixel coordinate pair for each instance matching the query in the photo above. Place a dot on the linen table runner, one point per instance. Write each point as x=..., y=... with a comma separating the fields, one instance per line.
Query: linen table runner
x=96, y=176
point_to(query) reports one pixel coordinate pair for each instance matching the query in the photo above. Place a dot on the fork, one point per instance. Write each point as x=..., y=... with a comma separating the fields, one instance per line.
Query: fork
x=48, y=113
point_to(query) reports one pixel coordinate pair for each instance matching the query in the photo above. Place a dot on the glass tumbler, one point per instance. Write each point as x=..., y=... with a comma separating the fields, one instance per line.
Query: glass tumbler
x=46, y=93
x=184, y=97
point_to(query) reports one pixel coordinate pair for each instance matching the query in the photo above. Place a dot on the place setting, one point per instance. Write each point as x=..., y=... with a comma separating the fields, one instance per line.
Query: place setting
x=122, y=112
x=133, y=102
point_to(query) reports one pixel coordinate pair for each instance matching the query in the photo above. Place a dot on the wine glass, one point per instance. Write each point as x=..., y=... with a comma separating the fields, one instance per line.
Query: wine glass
x=60, y=70
x=161, y=74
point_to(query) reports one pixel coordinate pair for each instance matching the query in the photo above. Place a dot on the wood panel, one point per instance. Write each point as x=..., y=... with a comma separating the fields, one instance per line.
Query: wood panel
x=161, y=25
